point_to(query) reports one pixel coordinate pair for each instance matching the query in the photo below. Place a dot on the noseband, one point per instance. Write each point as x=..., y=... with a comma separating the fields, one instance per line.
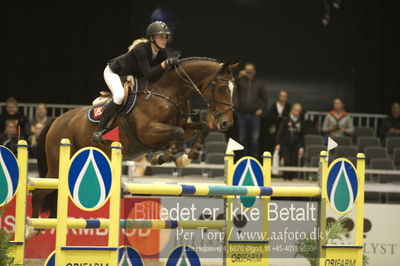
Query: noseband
x=212, y=105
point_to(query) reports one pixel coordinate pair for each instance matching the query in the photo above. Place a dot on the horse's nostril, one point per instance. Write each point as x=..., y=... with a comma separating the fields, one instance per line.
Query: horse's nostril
x=225, y=124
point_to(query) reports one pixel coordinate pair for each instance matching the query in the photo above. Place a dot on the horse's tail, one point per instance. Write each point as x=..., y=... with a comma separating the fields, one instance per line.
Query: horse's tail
x=43, y=200
x=41, y=150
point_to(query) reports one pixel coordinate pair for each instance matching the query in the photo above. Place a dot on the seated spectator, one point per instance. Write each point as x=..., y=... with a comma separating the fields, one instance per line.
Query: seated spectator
x=290, y=139
x=41, y=116
x=337, y=122
x=33, y=139
x=10, y=137
x=391, y=125
x=277, y=112
x=13, y=114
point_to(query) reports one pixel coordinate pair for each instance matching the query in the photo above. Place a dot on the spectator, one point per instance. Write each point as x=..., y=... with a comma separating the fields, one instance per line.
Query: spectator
x=250, y=100
x=290, y=139
x=34, y=138
x=391, y=125
x=277, y=112
x=337, y=122
x=13, y=114
x=10, y=137
x=41, y=116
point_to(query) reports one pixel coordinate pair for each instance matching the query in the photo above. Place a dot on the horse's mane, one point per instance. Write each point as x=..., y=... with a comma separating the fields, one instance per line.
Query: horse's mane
x=197, y=58
x=193, y=59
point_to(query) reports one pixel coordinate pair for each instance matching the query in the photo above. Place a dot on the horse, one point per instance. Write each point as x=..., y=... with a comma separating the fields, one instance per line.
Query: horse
x=158, y=122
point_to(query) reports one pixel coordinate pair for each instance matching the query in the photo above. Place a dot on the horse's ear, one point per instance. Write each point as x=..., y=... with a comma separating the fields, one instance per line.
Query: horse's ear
x=225, y=67
x=234, y=66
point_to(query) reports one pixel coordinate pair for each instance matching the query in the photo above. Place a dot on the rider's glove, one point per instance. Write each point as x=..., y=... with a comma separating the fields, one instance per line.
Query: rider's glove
x=172, y=61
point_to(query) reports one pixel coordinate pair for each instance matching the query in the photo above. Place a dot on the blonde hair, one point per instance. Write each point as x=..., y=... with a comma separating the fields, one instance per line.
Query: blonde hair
x=10, y=121
x=395, y=106
x=136, y=42
x=296, y=105
x=11, y=100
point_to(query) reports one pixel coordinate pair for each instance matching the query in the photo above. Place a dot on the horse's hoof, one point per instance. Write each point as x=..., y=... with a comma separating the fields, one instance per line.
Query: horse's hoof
x=30, y=232
x=182, y=161
x=157, y=159
x=193, y=154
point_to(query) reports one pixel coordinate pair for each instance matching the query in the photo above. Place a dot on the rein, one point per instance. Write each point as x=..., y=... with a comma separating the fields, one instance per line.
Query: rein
x=211, y=105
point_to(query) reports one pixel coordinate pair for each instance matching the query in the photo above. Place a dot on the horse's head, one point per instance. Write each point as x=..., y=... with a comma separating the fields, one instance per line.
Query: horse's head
x=218, y=94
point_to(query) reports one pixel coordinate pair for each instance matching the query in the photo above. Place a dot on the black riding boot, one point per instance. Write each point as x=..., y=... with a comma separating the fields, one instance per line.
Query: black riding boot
x=110, y=109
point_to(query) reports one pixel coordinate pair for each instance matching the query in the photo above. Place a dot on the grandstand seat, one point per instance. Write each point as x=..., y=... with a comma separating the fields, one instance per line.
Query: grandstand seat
x=349, y=152
x=392, y=143
x=343, y=141
x=313, y=140
x=215, y=158
x=374, y=153
x=372, y=197
x=363, y=142
x=393, y=198
x=396, y=158
x=362, y=132
x=215, y=136
x=215, y=146
x=311, y=151
x=384, y=164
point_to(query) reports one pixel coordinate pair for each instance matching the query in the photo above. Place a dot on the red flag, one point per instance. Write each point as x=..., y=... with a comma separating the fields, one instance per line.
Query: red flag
x=112, y=135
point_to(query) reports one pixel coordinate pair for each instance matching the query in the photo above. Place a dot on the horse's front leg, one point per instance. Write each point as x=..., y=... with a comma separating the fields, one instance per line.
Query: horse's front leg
x=199, y=130
x=170, y=137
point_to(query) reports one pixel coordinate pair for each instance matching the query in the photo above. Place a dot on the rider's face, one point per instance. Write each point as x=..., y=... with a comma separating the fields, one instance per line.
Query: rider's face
x=161, y=40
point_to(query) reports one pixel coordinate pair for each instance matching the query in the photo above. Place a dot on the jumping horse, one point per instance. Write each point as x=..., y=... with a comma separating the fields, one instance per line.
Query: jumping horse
x=158, y=123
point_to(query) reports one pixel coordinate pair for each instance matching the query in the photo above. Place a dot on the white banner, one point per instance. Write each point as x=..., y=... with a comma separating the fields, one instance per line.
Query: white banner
x=382, y=234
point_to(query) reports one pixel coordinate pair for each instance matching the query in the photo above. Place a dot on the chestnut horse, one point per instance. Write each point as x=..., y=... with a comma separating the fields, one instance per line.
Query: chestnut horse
x=158, y=123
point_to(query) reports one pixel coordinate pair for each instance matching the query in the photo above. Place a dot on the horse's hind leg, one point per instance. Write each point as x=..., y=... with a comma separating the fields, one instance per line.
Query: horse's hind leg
x=38, y=197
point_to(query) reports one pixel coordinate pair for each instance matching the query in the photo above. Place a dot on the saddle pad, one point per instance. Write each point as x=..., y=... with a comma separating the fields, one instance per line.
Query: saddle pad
x=95, y=112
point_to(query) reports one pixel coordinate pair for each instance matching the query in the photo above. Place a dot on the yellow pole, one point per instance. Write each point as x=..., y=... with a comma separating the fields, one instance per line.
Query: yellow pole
x=62, y=201
x=267, y=170
x=42, y=183
x=323, y=176
x=359, y=224
x=20, y=204
x=267, y=163
x=228, y=173
x=115, y=199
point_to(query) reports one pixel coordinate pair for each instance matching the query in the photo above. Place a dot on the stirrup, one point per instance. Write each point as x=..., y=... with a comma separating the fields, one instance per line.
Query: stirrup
x=97, y=137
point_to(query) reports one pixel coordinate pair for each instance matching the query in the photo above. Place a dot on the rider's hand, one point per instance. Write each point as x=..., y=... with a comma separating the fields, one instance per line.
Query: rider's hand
x=172, y=61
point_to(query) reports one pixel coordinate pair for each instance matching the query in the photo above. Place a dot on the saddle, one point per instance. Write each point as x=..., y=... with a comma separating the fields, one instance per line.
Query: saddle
x=130, y=85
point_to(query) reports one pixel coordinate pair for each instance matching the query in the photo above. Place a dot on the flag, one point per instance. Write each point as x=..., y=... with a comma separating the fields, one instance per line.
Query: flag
x=331, y=144
x=234, y=145
x=112, y=135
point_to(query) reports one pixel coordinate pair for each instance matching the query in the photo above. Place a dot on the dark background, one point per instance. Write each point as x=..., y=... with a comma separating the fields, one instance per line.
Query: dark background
x=55, y=51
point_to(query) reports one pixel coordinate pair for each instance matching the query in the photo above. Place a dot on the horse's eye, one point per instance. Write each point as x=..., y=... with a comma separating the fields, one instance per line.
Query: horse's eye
x=223, y=88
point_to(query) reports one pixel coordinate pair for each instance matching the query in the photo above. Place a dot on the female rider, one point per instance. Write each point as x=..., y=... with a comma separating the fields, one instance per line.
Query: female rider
x=146, y=57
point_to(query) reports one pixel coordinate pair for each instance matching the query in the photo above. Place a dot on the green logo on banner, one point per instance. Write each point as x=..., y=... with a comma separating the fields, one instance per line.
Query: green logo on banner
x=89, y=179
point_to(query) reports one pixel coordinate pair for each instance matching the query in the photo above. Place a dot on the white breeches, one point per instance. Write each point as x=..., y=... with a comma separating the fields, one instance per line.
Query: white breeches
x=114, y=84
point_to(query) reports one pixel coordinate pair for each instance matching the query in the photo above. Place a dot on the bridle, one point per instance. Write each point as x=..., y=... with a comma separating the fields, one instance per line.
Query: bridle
x=212, y=105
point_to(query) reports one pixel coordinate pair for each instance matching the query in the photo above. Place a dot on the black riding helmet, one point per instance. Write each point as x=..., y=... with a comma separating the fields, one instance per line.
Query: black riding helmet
x=157, y=27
